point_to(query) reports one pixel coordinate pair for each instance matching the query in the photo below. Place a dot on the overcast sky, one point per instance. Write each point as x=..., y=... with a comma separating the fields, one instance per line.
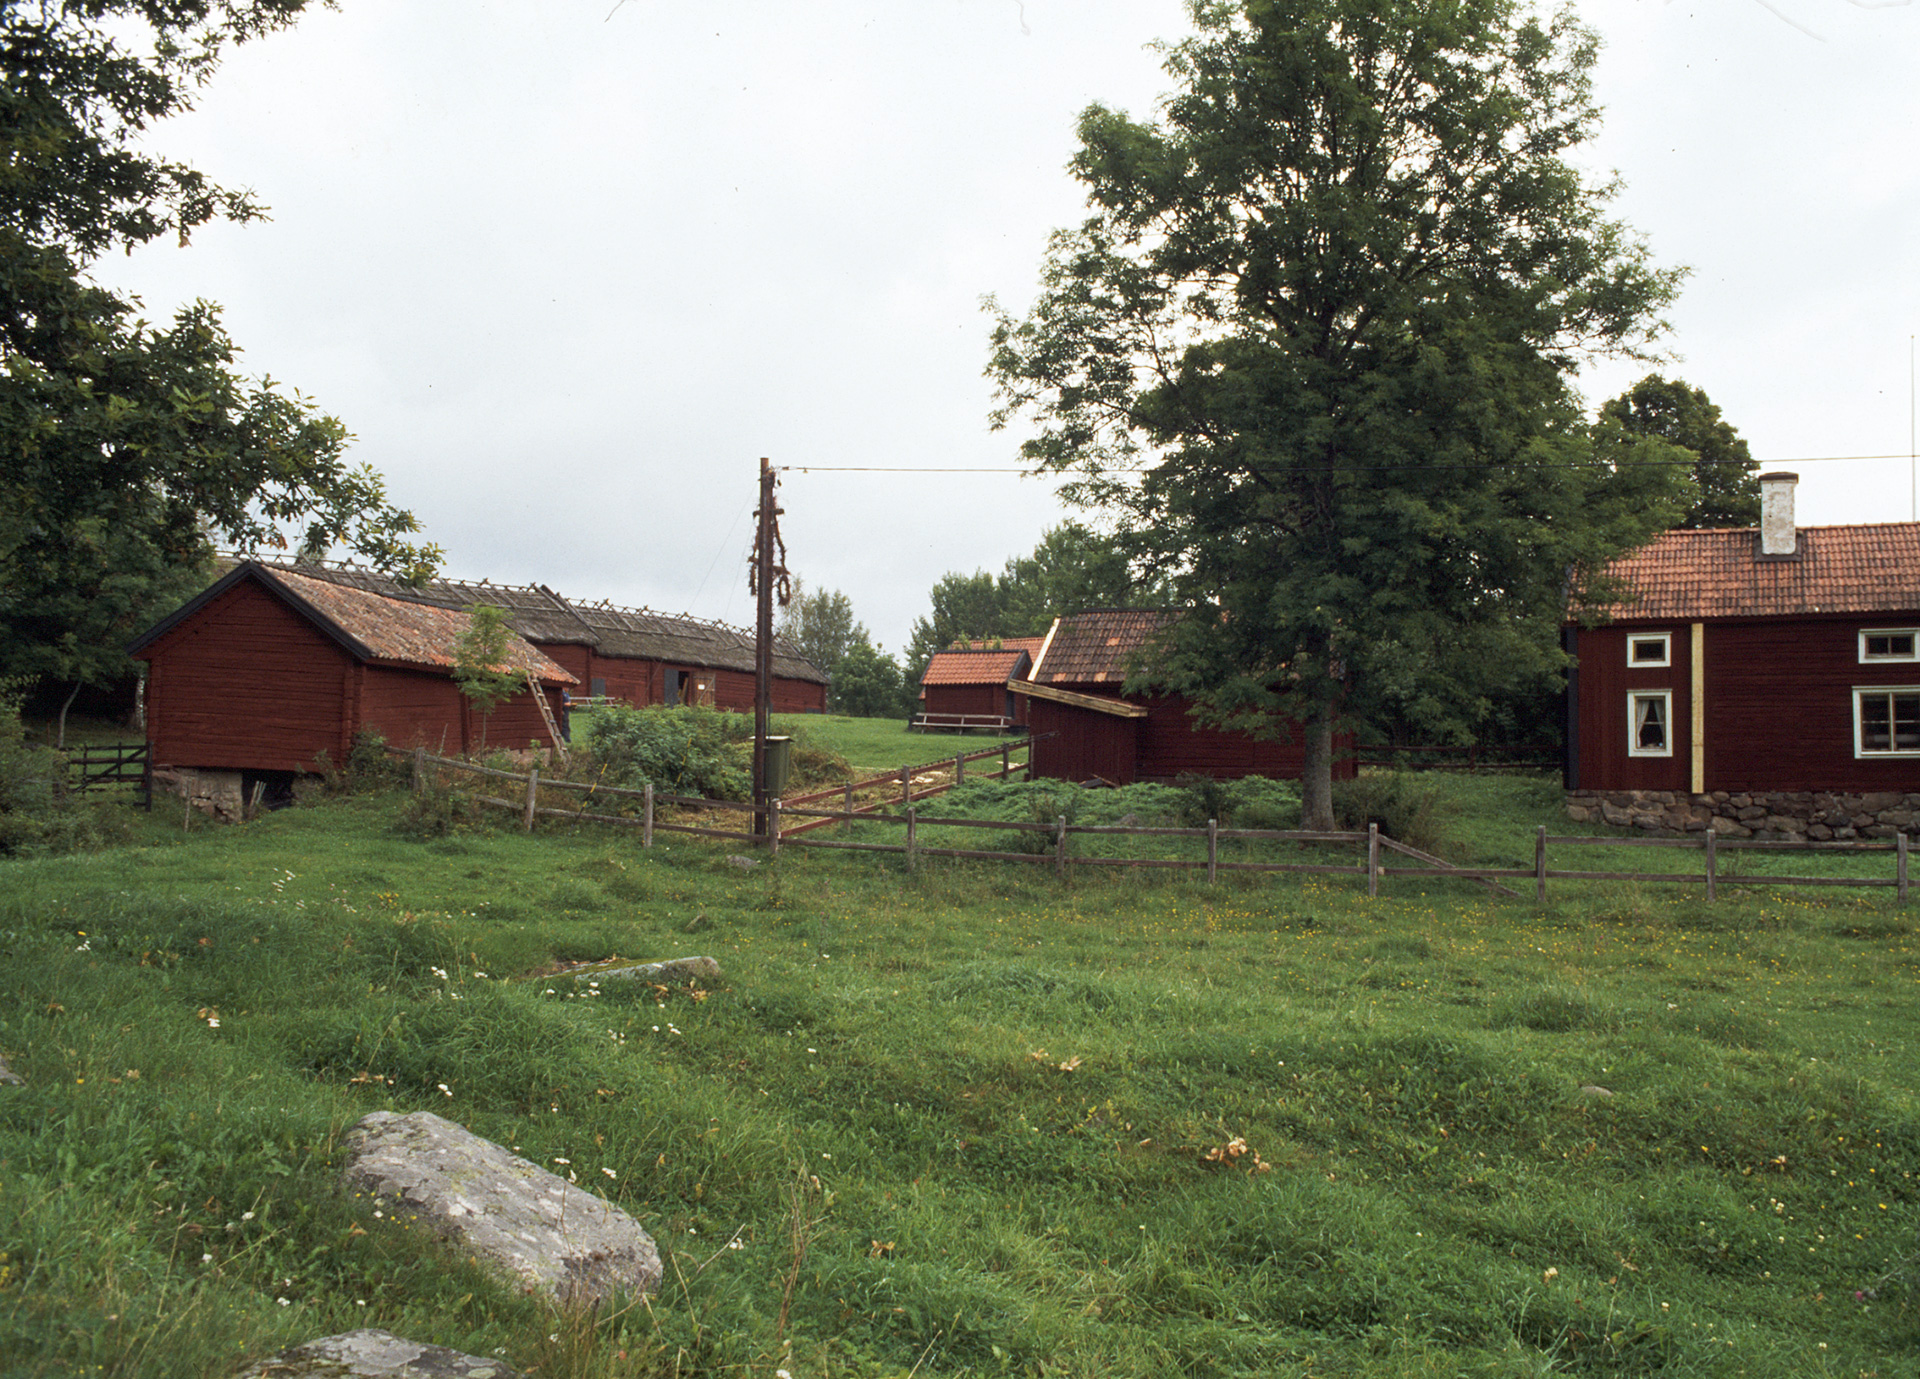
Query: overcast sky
x=568, y=268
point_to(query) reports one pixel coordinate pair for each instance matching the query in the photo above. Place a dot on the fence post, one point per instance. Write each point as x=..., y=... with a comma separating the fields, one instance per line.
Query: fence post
x=959, y=770
x=1540, y=866
x=773, y=826
x=906, y=786
x=419, y=770
x=846, y=825
x=533, y=794
x=1060, y=847
x=1213, y=849
x=1373, y=860
x=1713, y=865
x=912, y=840
x=1900, y=845
x=646, y=826
x=1006, y=761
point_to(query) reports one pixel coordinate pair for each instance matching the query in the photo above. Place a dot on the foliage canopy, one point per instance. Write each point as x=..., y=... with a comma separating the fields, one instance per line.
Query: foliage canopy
x=1312, y=347
x=108, y=422
x=1725, y=476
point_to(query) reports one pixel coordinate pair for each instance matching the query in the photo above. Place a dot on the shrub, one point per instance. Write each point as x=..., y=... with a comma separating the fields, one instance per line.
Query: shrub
x=36, y=812
x=685, y=750
x=1405, y=806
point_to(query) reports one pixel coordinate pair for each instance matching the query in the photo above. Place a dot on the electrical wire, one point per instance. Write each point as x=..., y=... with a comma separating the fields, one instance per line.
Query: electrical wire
x=1140, y=469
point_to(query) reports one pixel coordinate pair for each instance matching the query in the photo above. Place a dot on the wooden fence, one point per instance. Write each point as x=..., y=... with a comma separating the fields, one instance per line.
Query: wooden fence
x=1049, y=845
x=1472, y=757
x=111, y=763
x=908, y=777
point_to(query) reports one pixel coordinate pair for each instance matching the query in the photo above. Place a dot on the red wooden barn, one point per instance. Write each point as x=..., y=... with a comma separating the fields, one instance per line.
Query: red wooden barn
x=1087, y=727
x=969, y=687
x=268, y=669
x=630, y=654
x=1781, y=659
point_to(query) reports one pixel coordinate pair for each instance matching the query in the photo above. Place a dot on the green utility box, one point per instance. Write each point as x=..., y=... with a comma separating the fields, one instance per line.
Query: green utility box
x=779, y=762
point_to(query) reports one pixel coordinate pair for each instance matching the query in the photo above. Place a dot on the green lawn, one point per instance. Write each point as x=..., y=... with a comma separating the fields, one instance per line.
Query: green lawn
x=871, y=745
x=965, y=1119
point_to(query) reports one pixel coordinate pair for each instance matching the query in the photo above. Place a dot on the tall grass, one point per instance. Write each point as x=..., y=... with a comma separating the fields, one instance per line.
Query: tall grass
x=959, y=1120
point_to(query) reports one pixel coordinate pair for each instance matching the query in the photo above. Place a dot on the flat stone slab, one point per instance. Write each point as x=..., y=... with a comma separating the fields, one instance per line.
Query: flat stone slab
x=373, y=1354
x=530, y=1227
x=672, y=970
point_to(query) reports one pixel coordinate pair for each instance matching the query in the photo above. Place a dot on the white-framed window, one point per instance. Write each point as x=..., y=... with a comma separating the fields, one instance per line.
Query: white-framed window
x=1649, y=649
x=1889, y=644
x=1886, y=721
x=1650, y=723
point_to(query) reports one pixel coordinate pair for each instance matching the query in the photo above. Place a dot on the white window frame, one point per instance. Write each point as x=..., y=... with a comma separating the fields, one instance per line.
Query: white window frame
x=1911, y=654
x=1860, y=749
x=1666, y=650
x=1634, y=698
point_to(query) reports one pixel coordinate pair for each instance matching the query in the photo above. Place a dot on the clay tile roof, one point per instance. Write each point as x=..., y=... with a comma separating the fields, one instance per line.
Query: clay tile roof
x=975, y=667
x=1101, y=646
x=1720, y=574
x=420, y=634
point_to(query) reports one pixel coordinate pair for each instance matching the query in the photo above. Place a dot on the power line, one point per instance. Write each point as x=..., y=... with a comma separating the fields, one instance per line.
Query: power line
x=1138, y=469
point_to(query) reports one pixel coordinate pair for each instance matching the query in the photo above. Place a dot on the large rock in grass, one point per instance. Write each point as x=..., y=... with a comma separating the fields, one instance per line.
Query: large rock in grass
x=672, y=970
x=532, y=1228
x=373, y=1355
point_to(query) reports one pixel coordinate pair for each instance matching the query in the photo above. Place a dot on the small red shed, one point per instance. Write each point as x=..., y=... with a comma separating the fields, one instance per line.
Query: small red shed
x=970, y=688
x=268, y=669
x=1087, y=726
x=1740, y=661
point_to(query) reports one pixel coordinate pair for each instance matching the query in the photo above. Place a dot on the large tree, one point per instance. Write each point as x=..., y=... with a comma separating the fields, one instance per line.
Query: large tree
x=109, y=423
x=1312, y=346
x=1726, y=483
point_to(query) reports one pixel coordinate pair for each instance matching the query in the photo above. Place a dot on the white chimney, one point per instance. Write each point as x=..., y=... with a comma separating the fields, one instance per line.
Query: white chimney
x=1777, y=536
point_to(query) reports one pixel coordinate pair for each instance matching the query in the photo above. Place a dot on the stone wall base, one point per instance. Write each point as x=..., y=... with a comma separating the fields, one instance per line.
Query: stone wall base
x=1781, y=816
x=211, y=792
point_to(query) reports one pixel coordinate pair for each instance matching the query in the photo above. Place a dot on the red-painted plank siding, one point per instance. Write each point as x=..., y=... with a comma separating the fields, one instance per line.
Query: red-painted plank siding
x=1078, y=744
x=248, y=684
x=973, y=699
x=629, y=678
x=412, y=708
x=1778, y=706
x=1605, y=682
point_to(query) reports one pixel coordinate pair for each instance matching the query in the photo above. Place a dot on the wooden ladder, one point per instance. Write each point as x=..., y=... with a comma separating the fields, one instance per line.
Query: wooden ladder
x=546, y=713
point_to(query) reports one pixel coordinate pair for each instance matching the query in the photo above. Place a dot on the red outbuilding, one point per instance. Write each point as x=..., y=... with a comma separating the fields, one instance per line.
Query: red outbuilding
x=970, y=687
x=1773, y=662
x=1086, y=726
x=271, y=673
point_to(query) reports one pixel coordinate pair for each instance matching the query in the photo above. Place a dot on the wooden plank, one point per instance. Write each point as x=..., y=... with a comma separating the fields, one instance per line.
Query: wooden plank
x=1119, y=708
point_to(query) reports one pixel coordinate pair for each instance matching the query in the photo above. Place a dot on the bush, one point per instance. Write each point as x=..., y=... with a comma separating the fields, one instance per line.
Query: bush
x=36, y=812
x=684, y=751
x=1405, y=806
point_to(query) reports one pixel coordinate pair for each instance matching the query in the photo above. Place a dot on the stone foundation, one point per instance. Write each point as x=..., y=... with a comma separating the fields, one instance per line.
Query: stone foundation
x=1783, y=816
x=211, y=792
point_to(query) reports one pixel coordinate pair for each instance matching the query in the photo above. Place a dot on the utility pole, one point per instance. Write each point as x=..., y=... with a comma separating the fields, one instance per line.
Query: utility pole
x=763, y=571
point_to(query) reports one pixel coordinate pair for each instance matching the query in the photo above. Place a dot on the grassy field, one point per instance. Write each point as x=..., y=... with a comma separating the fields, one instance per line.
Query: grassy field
x=963, y=1120
x=879, y=744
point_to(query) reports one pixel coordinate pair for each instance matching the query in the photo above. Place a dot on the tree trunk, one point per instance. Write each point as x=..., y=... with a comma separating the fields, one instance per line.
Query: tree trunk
x=1316, y=771
x=60, y=739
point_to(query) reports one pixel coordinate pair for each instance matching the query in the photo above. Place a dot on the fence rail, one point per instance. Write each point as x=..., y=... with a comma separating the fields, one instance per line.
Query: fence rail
x=1052, y=838
x=111, y=763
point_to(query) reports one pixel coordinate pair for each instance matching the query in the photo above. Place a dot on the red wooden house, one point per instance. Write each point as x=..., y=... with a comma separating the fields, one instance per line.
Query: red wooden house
x=269, y=669
x=1775, y=661
x=969, y=687
x=1086, y=727
x=631, y=654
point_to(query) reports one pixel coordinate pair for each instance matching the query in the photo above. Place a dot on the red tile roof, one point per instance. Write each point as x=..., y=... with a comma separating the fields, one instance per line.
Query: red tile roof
x=389, y=629
x=975, y=667
x=1720, y=574
x=1099, y=647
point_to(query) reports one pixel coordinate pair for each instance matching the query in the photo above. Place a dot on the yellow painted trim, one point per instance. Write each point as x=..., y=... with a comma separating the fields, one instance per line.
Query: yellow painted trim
x=1698, y=698
x=1034, y=673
